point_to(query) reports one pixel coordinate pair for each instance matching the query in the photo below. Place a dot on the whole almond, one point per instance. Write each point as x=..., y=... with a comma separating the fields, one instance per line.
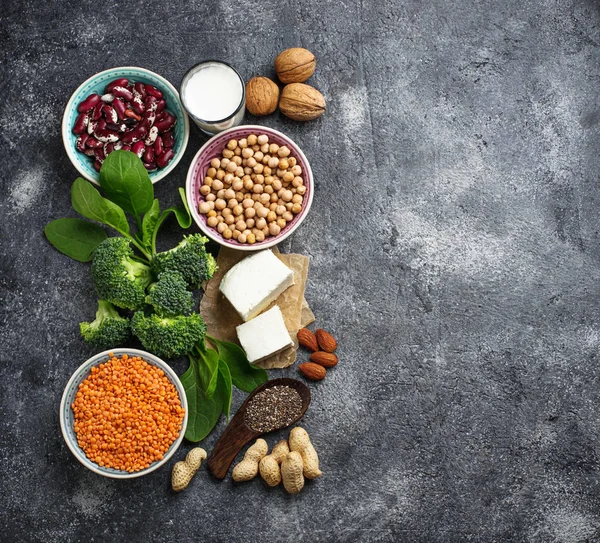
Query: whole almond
x=312, y=371
x=326, y=341
x=301, y=102
x=295, y=65
x=307, y=339
x=327, y=360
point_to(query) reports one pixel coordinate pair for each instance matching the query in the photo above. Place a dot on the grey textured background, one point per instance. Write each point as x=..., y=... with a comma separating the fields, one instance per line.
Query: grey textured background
x=455, y=255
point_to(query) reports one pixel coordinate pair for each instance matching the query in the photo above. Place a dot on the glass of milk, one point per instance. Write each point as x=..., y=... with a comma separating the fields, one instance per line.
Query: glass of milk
x=214, y=95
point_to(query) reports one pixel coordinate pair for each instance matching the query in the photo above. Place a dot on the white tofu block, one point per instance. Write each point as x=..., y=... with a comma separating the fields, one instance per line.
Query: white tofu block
x=253, y=283
x=264, y=335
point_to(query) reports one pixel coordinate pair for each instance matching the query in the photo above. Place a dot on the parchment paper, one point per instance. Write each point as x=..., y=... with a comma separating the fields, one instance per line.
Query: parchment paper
x=221, y=318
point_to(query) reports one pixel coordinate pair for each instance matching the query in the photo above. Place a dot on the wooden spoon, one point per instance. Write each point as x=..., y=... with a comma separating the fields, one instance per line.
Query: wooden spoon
x=237, y=434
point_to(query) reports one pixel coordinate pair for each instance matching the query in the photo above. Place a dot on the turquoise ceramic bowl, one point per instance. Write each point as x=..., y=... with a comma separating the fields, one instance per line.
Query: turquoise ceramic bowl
x=96, y=84
x=67, y=419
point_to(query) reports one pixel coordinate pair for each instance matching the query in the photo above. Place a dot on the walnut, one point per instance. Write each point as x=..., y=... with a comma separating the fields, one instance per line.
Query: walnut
x=301, y=102
x=295, y=65
x=262, y=96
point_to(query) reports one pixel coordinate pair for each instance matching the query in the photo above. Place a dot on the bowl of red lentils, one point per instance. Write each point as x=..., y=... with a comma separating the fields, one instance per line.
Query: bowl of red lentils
x=123, y=413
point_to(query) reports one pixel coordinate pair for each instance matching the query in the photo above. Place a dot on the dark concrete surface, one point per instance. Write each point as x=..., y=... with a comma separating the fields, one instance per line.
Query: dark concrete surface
x=455, y=255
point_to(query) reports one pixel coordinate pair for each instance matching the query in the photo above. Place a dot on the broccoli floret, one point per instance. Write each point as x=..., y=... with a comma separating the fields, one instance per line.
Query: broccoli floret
x=168, y=337
x=190, y=259
x=119, y=278
x=108, y=330
x=169, y=296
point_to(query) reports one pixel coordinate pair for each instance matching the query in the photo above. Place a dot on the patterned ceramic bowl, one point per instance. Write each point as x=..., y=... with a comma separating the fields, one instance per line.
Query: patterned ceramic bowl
x=212, y=149
x=96, y=84
x=67, y=419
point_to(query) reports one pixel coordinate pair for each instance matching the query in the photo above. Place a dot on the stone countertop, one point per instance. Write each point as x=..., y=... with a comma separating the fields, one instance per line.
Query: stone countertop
x=455, y=255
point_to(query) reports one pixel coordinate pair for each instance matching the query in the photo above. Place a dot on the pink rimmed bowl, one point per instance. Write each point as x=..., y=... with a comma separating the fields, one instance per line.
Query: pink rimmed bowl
x=212, y=149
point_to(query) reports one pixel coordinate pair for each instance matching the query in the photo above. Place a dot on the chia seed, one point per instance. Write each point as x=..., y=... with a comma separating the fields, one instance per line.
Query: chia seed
x=273, y=408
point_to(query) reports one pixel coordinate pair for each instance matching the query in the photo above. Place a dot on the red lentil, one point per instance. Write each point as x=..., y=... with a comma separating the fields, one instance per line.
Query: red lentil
x=127, y=414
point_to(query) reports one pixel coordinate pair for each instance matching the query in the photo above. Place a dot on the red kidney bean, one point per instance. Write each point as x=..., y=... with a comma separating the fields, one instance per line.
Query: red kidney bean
x=119, y=107
x=165, y=158
x=100, y=156
x=158, y=146
x=117, y=146
x=168, y=139
x=125, y=147
x=137, y=134
x=151, y=103
x=141, y=89
x=121, y=82
x=109, y=148
x=93, y=143
x=116, y=127
x=106, y=136
x=107, y=98
x=150, y=167
x=160, y=106
x=129, y=122
x=97, y=113
x=88, y=103
x=138, y=148
x=137, y=103
x=132, y=114
x=80, y=143
x=148, y=155
x=110, y=114
x=149, y=118
x=97, y=165
x=166, y=123
x=89, y=152
x=92, y=125
x=81, y=123
x=151, y=137
x=122, y=92
x=153, y=91
x=101, y=124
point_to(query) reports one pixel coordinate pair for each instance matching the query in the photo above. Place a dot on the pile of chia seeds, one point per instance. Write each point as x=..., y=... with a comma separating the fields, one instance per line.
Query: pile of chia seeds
x=273, y=408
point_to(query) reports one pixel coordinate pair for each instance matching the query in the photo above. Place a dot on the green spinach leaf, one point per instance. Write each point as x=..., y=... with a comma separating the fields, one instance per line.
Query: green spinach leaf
x=149, y=223
x=225, y=384
x=203, y=412
x=75, y=238
x=87, y=201
x=208, y=370
x=243, y=375
x=127, y=183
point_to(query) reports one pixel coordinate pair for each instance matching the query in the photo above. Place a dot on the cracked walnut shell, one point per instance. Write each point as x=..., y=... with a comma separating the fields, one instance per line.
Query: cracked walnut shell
x=262, y=96
x=301, y=102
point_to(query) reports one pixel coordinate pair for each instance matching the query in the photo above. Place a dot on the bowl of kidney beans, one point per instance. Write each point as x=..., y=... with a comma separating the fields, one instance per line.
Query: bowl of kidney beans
x=131, y=109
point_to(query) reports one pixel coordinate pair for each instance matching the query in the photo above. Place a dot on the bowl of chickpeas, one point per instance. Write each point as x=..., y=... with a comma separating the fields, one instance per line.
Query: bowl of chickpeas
x=123, y=413
x=249, y=187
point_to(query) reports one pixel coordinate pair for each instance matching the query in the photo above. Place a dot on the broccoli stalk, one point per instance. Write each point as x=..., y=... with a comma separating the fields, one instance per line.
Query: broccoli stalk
x=190, y=259
x=168, y=337
x=169, y=296
x=108, y=330
x=117, y=276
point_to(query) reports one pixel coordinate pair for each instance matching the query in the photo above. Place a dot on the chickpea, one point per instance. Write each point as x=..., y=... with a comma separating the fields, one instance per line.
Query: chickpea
x=277, y=184
x=248, y=202
x=262, y=212
x=226, y=212
x=274, y=148
x=271, y=216
x=239, y=172
x=269, y=179
x=301, y=190
x=219, y=218
x=232, y=144
x=259, y=236
x=289, y=206
x=281, y=222
x=221, y=227
x=274, y=229
x=274, y=199
x=296, y=208
x=262, y=139
x=248, y=184
x=247, y=152
x=236, y=234
x=249, y=223
x=204, y=190
x=210, y=198
x=239, y=196
x=237, y=151
x=224, y=163
x=259, y=178
x=258, y=156
x=281, y=173
x=220, y=204
x=237, y=185
x=231, y=167
x=232, y=203
x=228, y=178
x=237, y=210
x=265, y=159
x=240, y=225
x=252, y=139
x=261, y=223
x=243, y=143
x=297, y=181
x=256, y=147
x=287, y=216
x=229, y=220
x=211, y=172
x=292, y=160
x=264, y=148
x=215, y=163
x=283, y=164
x=273, y=162
x=297, y=199
x=220, y=175
x=297, y=170
x=203, y=208
x=265, y=198
x=237, y=160
x=280, y=210
x=249, y=212
x=220, y=193
x=211, y=203
x=248, y=170
x=267, y=170
x=288, y=177
x=228, y=194
x=258, y=168
x=242, y=238
x=287, y=195
x=251, y=162
x=257, y=188
x=217, y=185
x=226, y=154
x=208, y=181
x=212, y=222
